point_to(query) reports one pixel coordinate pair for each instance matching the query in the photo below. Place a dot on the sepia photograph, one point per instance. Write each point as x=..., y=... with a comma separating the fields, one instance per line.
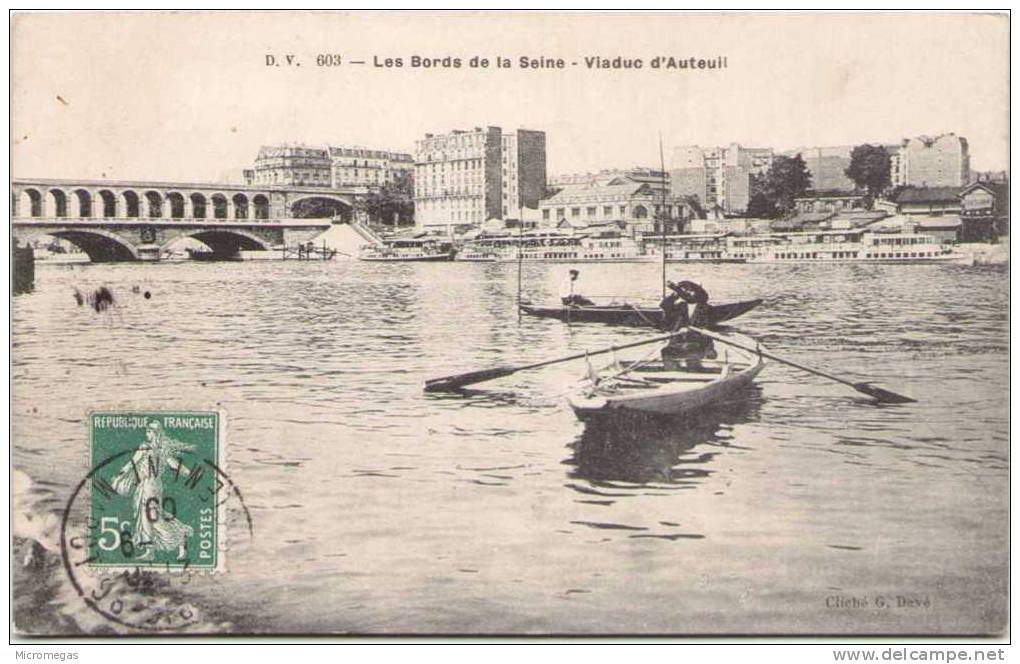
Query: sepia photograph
x=510, y=324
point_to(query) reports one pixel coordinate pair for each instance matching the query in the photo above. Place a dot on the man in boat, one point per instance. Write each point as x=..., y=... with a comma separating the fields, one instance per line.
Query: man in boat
x=568, y=294
x=686, y=305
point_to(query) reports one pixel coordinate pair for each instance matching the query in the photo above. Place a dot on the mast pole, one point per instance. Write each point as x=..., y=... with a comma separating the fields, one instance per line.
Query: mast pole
x=662, y=215
x=520, y=262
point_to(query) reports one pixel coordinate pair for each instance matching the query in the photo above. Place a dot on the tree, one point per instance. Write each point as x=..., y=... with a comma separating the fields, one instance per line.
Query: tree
x=772, y=195
x=761, y=207
x=869, y=168
x=392, y=204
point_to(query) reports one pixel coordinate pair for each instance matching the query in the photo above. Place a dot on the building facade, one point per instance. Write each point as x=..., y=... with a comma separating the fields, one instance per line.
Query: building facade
x=356, y=166
x=984, y=211
x=327, y=166
x=294, y=165
x=829, y=201
x=523, y=171
x=929, y=201
x=635, y=206
x=985, y=199
x=653, y=176
x=942, y=161
x=467, y=177
x=719, y=177
x=827, y=166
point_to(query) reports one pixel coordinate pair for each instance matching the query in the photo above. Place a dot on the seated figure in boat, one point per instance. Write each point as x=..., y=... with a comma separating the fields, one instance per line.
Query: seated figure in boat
x=686, y=305
x=568, y=292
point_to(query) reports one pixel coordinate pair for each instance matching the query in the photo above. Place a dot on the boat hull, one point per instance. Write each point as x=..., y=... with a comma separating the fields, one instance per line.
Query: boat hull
x=665, y=402
x=579, y=261
x=945, y=258
x=407, y=259
x=706, y=260
x=633, y=316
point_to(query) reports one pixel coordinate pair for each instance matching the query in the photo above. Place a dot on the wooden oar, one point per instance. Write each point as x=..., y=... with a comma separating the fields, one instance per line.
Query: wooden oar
x=641, y=315
x=457, y=381
x=864, y=388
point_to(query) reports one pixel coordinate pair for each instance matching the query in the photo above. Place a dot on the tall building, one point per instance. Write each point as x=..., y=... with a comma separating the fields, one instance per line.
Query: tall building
x=942, y=161
x=327, y=166
x=720, y=177
x=523, y=170
x=467, y=177
x=827, y=166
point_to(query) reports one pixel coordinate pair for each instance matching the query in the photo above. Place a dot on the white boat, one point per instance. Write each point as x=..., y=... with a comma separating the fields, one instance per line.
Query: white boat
x=841, y=246
x=554, y=247
x=708, y=248
x=647, y=387
x=408, y=249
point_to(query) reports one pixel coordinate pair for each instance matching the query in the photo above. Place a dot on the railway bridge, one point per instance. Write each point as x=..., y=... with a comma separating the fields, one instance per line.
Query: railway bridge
x=118, y=220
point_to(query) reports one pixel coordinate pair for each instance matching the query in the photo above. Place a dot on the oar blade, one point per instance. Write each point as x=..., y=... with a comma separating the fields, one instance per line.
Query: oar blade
x=455, y=382
x=885, y=396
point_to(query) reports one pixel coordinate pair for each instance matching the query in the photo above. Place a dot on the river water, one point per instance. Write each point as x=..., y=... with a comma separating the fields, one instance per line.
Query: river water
x=380, y=509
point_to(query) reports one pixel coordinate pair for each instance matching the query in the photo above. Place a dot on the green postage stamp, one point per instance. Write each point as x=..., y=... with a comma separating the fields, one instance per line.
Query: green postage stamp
x=157, y=489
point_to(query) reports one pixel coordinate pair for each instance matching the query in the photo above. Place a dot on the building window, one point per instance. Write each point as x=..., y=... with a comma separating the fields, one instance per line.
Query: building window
x=591, y=211
x=640, y=212
x=545, y=214
x=575, y=212
x=607, y=210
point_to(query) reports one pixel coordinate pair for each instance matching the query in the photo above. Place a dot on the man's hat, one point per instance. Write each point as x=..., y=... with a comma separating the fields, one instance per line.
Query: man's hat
x=574, y=272
x=690, y=292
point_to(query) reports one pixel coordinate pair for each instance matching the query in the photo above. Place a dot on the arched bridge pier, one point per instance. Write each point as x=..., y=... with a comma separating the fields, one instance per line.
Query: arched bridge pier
x=125, y=221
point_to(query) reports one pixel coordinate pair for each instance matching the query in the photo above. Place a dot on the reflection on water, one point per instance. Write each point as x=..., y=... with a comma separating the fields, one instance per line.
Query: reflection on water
x=666, y=450
x=378, y=508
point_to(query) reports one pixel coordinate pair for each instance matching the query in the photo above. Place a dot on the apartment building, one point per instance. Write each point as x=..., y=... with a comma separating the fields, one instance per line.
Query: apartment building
x=327, y=166
x=720, y=177
x=466, y=177
x=925, y=161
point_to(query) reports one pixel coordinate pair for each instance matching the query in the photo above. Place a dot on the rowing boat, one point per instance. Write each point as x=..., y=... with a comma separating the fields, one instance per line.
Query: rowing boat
x=628, y=314
x=648, y=387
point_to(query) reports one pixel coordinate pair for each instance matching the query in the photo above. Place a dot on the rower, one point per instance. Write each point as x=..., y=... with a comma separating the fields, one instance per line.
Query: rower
x=687, y=305
x=568, y=294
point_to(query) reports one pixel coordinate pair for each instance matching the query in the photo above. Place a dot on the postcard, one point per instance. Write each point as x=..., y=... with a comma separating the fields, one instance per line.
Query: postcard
x=510, y=323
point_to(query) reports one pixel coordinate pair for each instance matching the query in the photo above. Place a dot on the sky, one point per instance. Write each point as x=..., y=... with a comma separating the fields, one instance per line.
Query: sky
x=188, y=96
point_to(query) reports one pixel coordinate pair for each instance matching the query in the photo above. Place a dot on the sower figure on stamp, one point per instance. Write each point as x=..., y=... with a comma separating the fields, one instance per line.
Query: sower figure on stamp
x=156, y=528
x=686, y=305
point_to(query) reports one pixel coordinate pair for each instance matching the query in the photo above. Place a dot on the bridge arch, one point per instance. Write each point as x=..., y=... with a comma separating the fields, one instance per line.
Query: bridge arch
x=99, y=245
x=175, y=207
x=59, y=202
x=219, y=206
x=199, y=206
x=240, y=206
x=223, y=242
x=132, y=204
x=320, y=206
x=84, y=199
x=31, y=203
x=261, y=205
x=155, y=204
x=106, y=202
